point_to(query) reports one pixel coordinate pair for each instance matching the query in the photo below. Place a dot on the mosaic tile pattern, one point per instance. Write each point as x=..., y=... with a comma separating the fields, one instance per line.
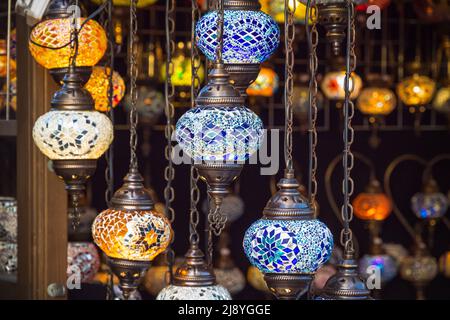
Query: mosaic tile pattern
x=98, y=86
x=419, y=268
x=56, y=32
x=215, y=133
x=8, y=256
x=64, y=135
x=249, y=36
x=82, y=257
x=131, y=235
x=427, y=206
x=384, y=263
x=194, y=293
x=298, y=246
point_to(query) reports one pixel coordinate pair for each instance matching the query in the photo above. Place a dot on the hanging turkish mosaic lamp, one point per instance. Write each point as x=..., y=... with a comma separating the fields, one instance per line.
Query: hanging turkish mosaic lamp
x=376, y=100
x=49, y=41
x=265, y=85
x=250, y=38
x=372, y=204
x=416, y=91
x=288, y=244
x=194, y=280
x=73, y=135
x=430, y=203
x=219, y=134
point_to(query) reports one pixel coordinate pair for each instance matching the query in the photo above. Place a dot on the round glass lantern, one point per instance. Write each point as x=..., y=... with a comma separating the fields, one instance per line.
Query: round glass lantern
x=444, y=264
x=372, y=206
x=419, y=268
x=62, y=135
x=430, y=203
x=98, y=87
x=219, y=133
x=140, y=3
x=4, y=60
x=131, y=235
x=333, y=85
x=83, y=260
x=182, y=70
x=55, y=33
x=276, y=9
x=265, y=85
x=249, y=36
x=382, y=263
x=376, y=101
x=441, y=102
x=416, y=90
x=291, y=246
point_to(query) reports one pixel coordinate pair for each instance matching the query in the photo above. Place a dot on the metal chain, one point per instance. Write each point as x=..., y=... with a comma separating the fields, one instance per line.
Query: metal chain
x=195, y=86
x=289, y=37
x=133, y=91
x=220, y=22
x=169, y=171
x=346, y=237
x=313, y=38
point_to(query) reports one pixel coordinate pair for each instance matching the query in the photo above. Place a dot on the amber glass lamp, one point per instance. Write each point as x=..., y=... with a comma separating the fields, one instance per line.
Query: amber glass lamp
x=333, y=85
x=4, y=60
x=275, y=8
x=416, y=91
x=377, y=100
x=372, y=204
x=98, y=86
x=265, y=85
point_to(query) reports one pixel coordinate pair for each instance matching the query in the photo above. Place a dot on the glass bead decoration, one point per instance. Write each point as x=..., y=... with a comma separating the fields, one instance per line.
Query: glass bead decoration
x=386, y=265
x=265, y=85
x=83, y=260
x=55, y=33
x=98, y=87
x=416, y=90
x=131, y=235
x=219, y=133
x=333, y=85
x=123, y=3
x=63, y=135
x=429, y=205
x=372, y=206
x=215, y=292
x=375, y=101
x=441, y=101
x=290, y=246
x=249, y=36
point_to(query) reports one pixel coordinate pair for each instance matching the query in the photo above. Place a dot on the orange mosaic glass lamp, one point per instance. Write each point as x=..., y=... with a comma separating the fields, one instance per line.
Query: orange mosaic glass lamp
x=98, y=86
x=417, y=90
x=372, y=204
x=333, y=85
x=265, y=85
x=376, y=101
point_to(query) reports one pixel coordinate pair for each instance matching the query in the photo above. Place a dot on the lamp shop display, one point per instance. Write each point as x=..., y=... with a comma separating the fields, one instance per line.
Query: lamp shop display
x=207, y=94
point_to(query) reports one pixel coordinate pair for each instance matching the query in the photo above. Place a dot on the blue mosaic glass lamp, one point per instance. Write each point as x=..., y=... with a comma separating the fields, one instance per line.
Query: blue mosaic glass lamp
x=288, y=244
x=430, y=203
x=250, y=38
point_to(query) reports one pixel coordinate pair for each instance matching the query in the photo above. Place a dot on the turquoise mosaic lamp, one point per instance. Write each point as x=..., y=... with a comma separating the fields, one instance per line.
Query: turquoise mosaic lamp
x=250, y=38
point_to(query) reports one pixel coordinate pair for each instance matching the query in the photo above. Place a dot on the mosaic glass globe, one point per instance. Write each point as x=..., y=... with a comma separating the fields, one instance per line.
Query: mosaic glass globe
x=131, y=235
x=140, y=3
x=12, y=97
x=4, y=60
x=8, y=256
x=419, y=268
x=98, y=87
x=249, y=36
x=63, y=135
x=386, y=265
x=276, y=9
x=8, y=219
x=232, y=279
x=375, y=101
x=82, y=259
x=416, y=90
x=182, y=71
x=429, y=205
x=300, y=101
x=333, y=85
x=265, y=85
x=150, y=104
x=444, y=264
x=372, y=206
x=215, y=292
x=441, y=102
x=288, y=246
x=216, y=133
x=56, y=33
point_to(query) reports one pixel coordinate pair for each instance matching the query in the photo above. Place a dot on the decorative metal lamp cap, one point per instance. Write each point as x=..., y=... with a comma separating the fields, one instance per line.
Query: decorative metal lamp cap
x=219, y=91
x=251, y=5
x=288, y=203
x=194, y=272
x=72, y=96
x=59, y=9
x=132, y=195
x=346, y=284
x=374, y=186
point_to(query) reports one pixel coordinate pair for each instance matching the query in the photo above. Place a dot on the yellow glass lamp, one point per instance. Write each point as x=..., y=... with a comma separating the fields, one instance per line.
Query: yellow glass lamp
x=416, y=91
x=4, y=60
x=275, y=8
x=444, y=264
x=333, y=85
x=55, y=33
x=256, y=279
x=265, y=85
x=376, y=101
x=441, y=102
x=98, y=86
x=372, y=204
x=140, y=3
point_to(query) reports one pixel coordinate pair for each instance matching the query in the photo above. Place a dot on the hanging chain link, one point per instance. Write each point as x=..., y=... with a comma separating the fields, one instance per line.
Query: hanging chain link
x=313, y=64
x=289, y=37
x=169, y=171
x=346, y=237
x=133, y=91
